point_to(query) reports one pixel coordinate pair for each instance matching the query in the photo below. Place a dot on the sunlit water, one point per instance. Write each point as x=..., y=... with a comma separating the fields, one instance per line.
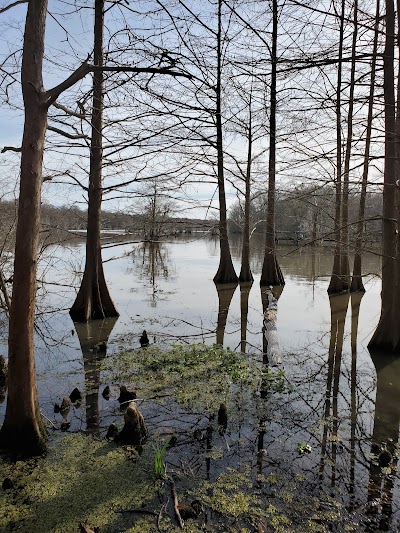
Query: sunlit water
x=168, y=291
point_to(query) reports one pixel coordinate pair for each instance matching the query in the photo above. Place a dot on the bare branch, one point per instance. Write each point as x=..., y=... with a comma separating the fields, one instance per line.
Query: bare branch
x=66, y=134
x=4, y=9
x=52, y=94
x=68, y=111
x=11, y=149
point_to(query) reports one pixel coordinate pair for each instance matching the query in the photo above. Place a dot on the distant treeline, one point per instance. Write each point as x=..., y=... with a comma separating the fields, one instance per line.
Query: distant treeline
x=309, y=214
x=299, y=212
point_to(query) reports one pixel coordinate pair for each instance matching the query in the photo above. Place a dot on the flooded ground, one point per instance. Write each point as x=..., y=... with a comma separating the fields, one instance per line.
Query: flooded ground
x=308, y=445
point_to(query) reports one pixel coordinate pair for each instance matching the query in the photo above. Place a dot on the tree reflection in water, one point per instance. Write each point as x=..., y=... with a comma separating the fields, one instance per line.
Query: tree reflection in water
x=245, y=288
x=93, y=338
x=225, y=295
x=153, y=262
x=338, y=304
x=385, y=436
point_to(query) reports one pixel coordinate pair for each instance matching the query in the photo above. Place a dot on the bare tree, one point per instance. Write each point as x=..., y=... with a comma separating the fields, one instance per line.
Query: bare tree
x=93, y=299
x=271, y=273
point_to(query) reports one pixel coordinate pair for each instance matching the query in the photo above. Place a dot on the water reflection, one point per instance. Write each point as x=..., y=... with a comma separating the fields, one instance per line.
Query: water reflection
x=338, y=305
x=153, y=262
x=93, y=338
x=225, y=295
x=244, y=312
x=385, y=436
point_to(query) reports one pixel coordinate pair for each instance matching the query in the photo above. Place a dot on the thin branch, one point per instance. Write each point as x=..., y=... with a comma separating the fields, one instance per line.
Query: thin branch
x=11, y=149
x=66, y=134
x=68, y=111
x=52, y=94
x=4, y=9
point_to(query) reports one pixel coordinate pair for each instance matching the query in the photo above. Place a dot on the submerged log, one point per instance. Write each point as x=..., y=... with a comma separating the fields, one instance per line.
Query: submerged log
x=134, y=431
x=272, y=349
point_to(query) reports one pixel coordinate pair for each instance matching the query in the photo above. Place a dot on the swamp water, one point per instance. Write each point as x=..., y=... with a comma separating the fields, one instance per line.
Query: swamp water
x=309, y=445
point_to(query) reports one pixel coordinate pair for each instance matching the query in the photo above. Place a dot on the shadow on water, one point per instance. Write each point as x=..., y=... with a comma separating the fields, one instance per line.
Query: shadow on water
x=93, y=338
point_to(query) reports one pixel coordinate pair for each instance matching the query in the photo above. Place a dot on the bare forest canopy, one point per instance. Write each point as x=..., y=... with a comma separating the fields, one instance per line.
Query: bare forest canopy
x=288, y=106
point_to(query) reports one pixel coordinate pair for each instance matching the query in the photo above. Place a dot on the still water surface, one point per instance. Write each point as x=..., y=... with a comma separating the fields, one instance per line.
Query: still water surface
x=344, y=403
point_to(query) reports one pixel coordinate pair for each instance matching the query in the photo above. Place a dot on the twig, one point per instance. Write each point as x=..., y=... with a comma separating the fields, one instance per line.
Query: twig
x=138, y=511
x=163, y=507
x=176, y=505
x=48, y=419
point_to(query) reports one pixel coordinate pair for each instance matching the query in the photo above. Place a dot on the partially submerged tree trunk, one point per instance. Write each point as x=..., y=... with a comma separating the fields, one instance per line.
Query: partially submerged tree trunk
x=271, y=273
x=245, y=271
x=356, y=282
x=345, y=267
x=93, y=300
x=23, y=431
x=387, y=334
x=337, y=284
x=226, y=271
x=272, y=353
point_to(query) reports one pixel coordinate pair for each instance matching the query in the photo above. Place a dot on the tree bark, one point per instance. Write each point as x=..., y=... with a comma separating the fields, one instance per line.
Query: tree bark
x=387, y=333
x=226, y=272
x=245, y=270
x=271, y=273
x=345, y=267
x=23, y=431
x=336, y=284
x=272, y=353
x=356, y=282
x=93, y=300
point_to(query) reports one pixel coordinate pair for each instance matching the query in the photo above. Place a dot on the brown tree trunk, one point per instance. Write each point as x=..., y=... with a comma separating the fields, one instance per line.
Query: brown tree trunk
x=271, y=273
x=336, y=284
x=345, y=267
x=387, y=334
x=226, y=272
x=23, y=431
x=245, y=271
x=356, y=282
x=93, y=300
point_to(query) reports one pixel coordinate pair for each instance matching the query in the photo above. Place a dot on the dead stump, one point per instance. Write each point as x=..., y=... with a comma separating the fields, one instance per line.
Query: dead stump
x=134, y=431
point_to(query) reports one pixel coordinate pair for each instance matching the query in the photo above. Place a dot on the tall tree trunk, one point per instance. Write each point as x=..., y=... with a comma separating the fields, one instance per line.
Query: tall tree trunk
x=23, y=431
x=245, y=271
x=345, y=267
x=271, y=273
x=226, y=272
x=336, y=283
x=387, y=334
x=356, y=282
x=93, y=300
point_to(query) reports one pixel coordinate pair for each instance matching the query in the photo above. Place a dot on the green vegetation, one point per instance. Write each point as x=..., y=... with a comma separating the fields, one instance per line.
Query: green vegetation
x=117, y=489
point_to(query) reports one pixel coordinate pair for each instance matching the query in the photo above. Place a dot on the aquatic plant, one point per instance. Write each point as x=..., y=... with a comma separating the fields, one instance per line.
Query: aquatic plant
x=160, y=466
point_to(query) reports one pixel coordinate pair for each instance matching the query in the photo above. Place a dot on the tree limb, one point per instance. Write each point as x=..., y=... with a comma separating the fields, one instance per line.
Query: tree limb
x=11, y=149
x=66, y=134
x=52, y=94
x=69, y=111
x=4, y=9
